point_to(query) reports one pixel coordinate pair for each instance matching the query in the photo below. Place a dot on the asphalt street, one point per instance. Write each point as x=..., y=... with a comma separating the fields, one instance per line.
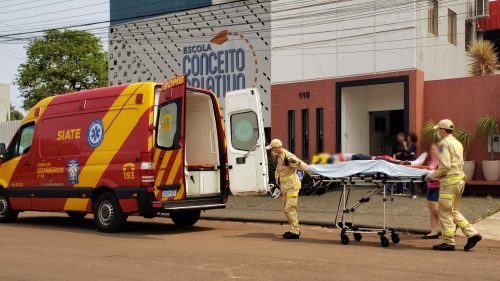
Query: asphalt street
x=44, y=246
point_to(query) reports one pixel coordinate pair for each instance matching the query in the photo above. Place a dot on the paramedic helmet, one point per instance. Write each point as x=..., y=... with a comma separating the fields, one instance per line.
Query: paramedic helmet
x=444, y=124
x=275, y=143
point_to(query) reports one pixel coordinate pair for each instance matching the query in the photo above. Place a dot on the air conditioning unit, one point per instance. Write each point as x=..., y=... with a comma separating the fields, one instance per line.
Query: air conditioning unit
x=477, y=9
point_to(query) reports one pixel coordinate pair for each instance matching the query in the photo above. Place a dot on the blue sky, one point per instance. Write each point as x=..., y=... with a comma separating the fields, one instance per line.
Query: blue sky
x=18, y=16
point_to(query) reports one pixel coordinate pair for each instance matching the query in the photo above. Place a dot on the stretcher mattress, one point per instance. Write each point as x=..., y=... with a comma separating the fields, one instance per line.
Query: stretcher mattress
x=366, y=167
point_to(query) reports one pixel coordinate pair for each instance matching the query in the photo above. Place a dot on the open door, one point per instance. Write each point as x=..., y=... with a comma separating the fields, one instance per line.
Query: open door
x=247, y=157
x=170, y=140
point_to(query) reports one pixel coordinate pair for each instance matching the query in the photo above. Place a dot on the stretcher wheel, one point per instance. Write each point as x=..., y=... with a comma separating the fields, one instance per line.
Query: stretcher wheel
x=344, y=238
x=384, y=241
x=395, y=238
x=358, y=236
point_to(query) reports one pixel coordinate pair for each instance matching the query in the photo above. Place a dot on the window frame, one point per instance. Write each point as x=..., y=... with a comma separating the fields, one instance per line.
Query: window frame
x=291, y=131
x=452, y=27
x=433, y=17
x=469, y=31
x=231, y=129
x=320, y=130
x=175, y=142
x=305, y=133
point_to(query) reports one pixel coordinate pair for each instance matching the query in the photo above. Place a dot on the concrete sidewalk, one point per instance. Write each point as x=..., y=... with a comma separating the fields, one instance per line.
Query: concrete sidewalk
x=490, y=227
x=406, y=214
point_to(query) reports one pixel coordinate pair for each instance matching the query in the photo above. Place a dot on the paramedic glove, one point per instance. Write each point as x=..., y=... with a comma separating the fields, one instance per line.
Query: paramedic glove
x=430, y=176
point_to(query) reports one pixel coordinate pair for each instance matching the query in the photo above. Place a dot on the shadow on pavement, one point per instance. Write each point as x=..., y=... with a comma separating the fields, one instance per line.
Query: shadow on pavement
x=132, y=228
x=372, y=241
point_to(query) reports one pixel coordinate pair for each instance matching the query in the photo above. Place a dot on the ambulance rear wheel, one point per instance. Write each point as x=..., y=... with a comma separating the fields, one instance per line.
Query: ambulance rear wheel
x=108, y=215
x=6, y=212
x=185, y=219
x=76, y=215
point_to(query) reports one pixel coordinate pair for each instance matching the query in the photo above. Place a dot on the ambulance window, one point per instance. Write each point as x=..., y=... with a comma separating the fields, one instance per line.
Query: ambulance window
x=22, y=142
x=169, y=125
x=244, y=130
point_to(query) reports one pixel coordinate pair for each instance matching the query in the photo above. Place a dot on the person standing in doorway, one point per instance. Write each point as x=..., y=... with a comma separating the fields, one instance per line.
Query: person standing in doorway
x=452, y=182
x=399, y=152
x=289, y=183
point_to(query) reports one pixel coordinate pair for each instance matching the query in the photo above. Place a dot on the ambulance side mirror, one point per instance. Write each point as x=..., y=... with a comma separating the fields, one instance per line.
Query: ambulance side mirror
x=3, y=151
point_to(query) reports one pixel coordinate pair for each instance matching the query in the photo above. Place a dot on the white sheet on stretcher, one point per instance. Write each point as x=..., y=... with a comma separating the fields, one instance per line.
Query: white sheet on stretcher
x=350, y=168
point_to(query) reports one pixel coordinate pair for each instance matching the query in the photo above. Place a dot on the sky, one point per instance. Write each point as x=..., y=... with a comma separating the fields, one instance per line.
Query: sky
x=20, y=16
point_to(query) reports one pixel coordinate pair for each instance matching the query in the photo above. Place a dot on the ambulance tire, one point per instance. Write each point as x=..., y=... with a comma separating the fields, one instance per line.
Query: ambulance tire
x=185, y=219
x=75, y=215
x=6, y=213
x=108, y=215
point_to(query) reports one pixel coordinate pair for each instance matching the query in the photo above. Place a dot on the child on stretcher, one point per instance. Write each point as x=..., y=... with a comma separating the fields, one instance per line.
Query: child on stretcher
x=326, y=158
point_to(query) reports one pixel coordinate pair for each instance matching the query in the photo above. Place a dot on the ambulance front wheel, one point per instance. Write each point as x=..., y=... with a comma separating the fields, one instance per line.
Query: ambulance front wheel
x=108, y=215
x=185, y=219
x=6, y=212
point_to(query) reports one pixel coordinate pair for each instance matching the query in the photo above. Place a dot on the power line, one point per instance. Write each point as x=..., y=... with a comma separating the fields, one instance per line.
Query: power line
x=274, y=19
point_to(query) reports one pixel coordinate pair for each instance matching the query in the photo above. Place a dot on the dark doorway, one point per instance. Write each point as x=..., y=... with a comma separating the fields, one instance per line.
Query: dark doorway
x=384, y=126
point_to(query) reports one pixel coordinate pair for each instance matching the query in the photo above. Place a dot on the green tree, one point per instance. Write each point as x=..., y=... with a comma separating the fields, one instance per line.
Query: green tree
x=61, y=62
x=15, y=114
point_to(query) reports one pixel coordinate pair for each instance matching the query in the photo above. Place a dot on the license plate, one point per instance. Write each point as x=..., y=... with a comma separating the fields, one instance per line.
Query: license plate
x=169, y=193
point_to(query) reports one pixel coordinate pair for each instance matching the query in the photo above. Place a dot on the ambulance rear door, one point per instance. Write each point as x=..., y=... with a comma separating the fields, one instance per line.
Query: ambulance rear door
x=247, y=157
x=169, y=140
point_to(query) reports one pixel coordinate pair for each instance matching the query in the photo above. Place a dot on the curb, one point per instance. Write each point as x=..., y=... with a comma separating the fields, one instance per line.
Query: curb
x=309, y=222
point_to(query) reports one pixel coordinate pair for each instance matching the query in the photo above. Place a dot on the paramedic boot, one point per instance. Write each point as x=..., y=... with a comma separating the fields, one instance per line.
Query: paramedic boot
x=444, y=247
x=472, y=241
x=286, y=234
x=291, y=235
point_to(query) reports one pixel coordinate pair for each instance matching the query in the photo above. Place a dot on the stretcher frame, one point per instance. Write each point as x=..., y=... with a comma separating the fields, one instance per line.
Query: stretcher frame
x=378, y=181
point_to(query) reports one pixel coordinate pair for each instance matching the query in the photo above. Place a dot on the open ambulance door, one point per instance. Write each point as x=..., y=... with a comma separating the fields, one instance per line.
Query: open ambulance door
x=247, y=156
x=169, y=138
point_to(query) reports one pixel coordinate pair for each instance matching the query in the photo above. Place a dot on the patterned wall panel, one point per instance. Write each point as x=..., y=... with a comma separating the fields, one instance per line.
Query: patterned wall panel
x=222, y=47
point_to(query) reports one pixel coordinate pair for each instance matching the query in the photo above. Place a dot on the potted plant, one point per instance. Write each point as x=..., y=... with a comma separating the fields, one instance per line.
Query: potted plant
x=488, y=126
x=429, y=134
x=465, y=137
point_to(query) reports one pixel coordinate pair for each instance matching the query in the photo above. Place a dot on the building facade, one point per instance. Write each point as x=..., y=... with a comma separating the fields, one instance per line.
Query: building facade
x=333, y=75
x=4, y=102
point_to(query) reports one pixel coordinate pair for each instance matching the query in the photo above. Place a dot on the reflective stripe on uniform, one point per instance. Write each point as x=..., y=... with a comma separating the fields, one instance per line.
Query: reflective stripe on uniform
x=449, y=232
x=292, y=195
x=455, y=179
x=445, y=195
x=463, y=224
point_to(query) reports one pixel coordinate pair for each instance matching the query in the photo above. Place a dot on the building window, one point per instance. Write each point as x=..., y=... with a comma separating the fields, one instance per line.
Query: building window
x=468, y=34
x=452, y=27
x=305, y=133
x=433, y=17
x=291, y=131
x=319, y=130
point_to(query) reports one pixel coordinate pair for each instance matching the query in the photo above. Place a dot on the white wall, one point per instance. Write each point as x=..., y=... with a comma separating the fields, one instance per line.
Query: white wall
x=356, y=104
x=313, y=40
x=4, y=101
x=438, y=58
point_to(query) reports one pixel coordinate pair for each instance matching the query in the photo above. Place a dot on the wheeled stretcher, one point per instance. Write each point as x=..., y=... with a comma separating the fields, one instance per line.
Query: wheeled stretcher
x=373, y=173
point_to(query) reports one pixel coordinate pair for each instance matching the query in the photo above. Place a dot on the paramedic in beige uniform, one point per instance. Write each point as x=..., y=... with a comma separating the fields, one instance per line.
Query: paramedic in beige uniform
x=289, y=183
x=452, y=180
